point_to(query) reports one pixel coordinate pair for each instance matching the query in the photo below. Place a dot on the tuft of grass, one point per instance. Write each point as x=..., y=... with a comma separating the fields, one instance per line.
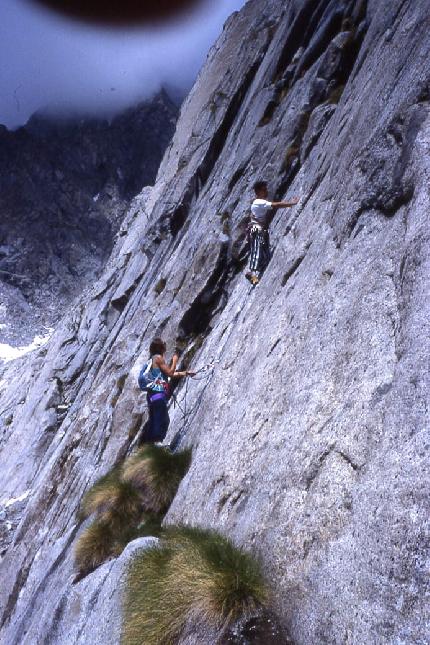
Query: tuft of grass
x=225, y=222
x=88, y=504
x=236, y=587
x=156, y=473
x=149, y=526
x=100, y=541
x=160, y=286
x=93, y=547
x=291, y=154
x=194, y=574
x=335, y=95
x=128, y=502
x=115, y=502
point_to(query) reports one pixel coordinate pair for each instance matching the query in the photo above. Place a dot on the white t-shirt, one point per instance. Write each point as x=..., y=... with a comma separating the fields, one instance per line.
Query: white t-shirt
x=259, y=210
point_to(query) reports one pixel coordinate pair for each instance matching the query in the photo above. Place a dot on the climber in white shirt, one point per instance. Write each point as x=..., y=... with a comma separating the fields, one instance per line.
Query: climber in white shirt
x=261, y=216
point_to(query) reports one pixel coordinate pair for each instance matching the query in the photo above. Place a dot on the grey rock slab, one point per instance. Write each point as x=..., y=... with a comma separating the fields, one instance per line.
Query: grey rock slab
x=308, y=427
x=317, y=122
x=92, y=610
x=11, y=512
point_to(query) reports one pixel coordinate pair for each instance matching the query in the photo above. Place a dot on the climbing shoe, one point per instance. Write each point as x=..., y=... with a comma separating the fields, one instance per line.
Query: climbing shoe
x=252, y=278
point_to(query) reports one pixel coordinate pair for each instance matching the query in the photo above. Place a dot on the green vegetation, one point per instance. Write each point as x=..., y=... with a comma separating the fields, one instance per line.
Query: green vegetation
x=128, y=502
x=119, y=389
x=157, y=473
x=160, y=286
x=292, y=153
x=98, y=494
x=193, y=574
x=93, y=547
x=335, y=95
x=225, y=222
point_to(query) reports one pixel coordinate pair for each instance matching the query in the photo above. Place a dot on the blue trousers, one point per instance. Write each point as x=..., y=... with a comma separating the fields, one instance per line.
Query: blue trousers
x=158, y=423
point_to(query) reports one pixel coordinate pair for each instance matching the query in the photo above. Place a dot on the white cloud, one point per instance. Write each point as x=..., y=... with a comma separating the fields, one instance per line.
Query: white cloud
x=48, y=60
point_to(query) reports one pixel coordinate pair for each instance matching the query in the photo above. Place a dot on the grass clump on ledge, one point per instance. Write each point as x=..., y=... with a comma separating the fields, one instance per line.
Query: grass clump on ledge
x=127, y=503
x=157, y=474
x=94, y=547
x=115, y=501
x=160, y=286
x=193, y=575
x=291, y=154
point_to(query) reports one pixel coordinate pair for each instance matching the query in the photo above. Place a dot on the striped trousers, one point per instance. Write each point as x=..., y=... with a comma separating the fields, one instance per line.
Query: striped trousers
x=260, y=250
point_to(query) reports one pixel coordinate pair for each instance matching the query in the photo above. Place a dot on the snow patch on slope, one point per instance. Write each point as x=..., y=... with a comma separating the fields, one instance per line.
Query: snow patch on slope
x=9, y=353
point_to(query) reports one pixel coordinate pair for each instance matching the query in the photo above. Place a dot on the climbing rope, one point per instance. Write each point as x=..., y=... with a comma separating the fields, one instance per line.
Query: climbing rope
x=206, y=368
x=207, y=372
x=204, y=374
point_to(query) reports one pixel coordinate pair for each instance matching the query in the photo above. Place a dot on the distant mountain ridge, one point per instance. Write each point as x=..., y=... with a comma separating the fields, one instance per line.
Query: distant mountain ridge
x=65, y=184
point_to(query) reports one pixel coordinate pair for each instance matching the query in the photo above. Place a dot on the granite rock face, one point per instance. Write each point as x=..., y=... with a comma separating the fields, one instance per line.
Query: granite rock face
x=309, y=428
x=91, y=610
x=65, y=185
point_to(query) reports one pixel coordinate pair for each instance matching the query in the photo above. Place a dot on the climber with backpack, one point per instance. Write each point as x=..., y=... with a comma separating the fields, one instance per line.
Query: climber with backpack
x=154, y=380
x=262, y=212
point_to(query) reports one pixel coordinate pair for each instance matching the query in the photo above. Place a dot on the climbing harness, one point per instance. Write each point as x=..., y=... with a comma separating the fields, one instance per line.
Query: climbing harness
x=159, y=396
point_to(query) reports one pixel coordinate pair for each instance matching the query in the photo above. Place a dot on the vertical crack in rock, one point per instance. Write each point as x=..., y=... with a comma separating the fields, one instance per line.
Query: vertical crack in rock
x=196, y=319
x=293, y=268
x=199, y=179
x=300, y=32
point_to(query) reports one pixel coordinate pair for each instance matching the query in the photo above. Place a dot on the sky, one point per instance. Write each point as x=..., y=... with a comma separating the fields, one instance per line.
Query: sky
x=47, y=61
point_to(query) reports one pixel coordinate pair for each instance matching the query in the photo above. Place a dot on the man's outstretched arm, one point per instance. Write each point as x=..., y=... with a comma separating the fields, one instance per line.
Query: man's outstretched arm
x=291, y=202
